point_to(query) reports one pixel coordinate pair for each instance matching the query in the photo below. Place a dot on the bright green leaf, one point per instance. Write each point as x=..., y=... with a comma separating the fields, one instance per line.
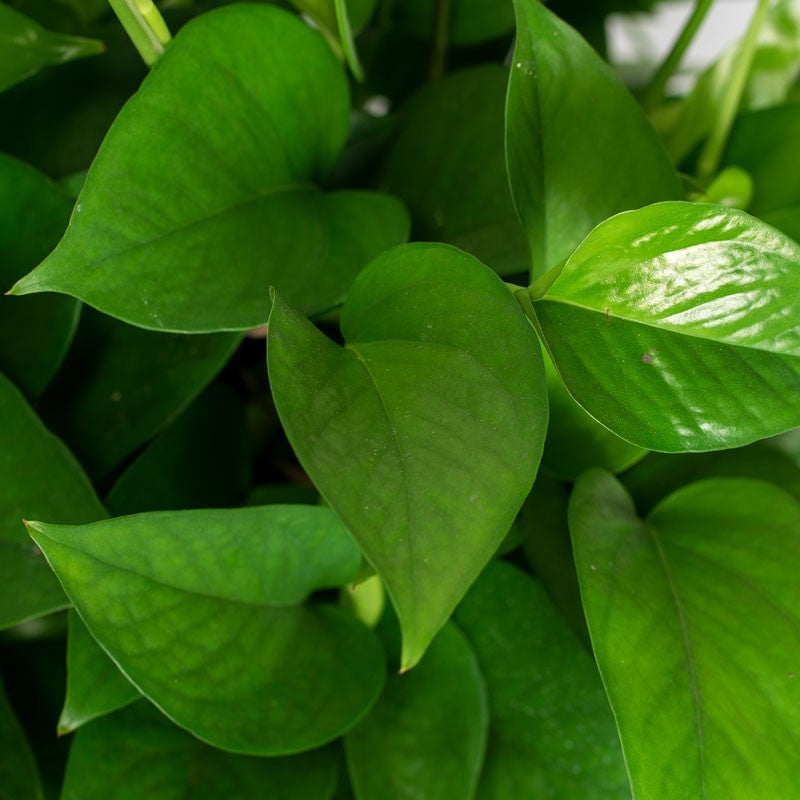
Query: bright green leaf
x=38, y=478
x=233, y=655
x=568, y=120
x=425, y=431
x=448, y=165
x=26, y=47
x=34, y=332
x=137, y=754
x=694, y=619
x=19, y=779
x=675, y=326
x=212, y=214
x=426, y=735
x=551, y=733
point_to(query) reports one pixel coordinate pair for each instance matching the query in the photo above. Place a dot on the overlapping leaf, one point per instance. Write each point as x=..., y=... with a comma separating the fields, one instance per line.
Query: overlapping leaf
x=19, y=778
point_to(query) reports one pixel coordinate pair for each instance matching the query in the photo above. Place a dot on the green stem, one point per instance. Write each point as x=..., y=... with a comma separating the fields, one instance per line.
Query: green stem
x=654, y=91
x=714, y=147
x=144, y=25
x=441, y=39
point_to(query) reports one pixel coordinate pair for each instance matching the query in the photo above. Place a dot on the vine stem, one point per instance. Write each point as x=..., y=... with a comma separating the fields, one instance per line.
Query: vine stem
x=712, y=152
x=654, y=91
x=441, y=39
x=145, y=26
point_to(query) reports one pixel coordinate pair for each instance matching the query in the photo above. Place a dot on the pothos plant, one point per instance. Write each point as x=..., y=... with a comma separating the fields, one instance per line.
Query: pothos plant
x=513, y=510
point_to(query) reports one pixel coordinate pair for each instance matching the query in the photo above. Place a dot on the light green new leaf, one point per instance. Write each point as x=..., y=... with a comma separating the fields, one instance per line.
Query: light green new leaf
x=694, y=619
x=19, y=778
x=676, y=327
x=448, y=165
x=568, y=120
x=425, y=430
x=38, y=478
x=551, y=733
x=26, y=47
x=184, y=223
x=234, y=655
x=426, y=736
x=137, y=754
x=95, y=686
x=36, y=331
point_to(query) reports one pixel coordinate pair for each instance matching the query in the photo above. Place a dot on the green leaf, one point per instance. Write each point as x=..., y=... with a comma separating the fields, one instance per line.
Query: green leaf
x=200, y=461
x=693, y=614
x=26, y=47
x=674, y=327
x=471, y=21
x=19, y=779
x=425, y=430
x=448, y=165
x=95, y=686
x=38, y=477
x=551, y=733
x=137, y=754
x=200, y=195
x=568, y=119
x=426, y=735
x=234, y=655
x=34, y=332
x=120, y=385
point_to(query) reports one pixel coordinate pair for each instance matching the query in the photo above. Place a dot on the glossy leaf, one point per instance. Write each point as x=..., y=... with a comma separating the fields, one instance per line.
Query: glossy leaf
x=426, y=735
x=551, y=733
x=34, y=332
x=200, y=461
x=471, y=21
x=26, y=47
x=120, y=385
x=95, y=686
x=19, y=779
x=448, y=165
x=674, y=327
x=694, y=618
x=138, y=754
x=38, y=477
x=234, y=655
x=437, y=405
x=238, y=194
x=568, y=118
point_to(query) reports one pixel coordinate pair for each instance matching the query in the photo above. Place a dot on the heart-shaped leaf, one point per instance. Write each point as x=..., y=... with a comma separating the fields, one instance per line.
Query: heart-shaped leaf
x=425, y=431
x=38, y=477
x=234, y=655
x=568, y=118
x=694, y=619
x=676, y=327
x=137, y=754
x=19, y=779
x=188, y=232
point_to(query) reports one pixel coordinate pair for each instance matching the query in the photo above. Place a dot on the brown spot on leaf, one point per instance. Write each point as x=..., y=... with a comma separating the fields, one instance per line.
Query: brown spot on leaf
x=647, y=358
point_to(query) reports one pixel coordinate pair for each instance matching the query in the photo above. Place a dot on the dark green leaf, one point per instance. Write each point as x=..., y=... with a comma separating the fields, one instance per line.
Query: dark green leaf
x=448, y=165
x=38, y=478
x=34, y=332
x=426, y=736
x=551, y=733
x=675, y=326
x=137, y=754
x=26, y=47
x=471, y=21
x=19, y=779
x=234, y=655
x=694, y=619
x=120, y=385
x=568, y=119
x=211, y=214
x=425, y=431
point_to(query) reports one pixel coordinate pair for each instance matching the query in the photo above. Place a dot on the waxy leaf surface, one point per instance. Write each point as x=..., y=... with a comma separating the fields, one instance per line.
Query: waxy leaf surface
x=234, y=655
x=676, y=326
x=187, y=233
x=137, y=754
x=693, y=614
x=425, y=431
x=551, y=733
x=568, y=120
x=19, y=779
x=38, y=478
